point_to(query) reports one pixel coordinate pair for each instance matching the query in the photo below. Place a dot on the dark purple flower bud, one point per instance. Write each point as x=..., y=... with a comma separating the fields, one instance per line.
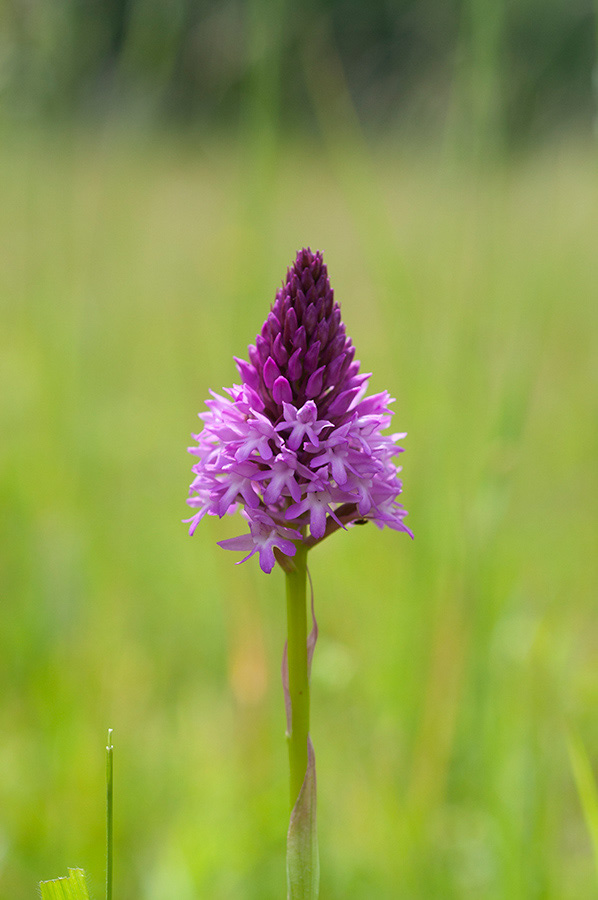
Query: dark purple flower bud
x=247, y=372
x=254, y=357
x=299, y=303
x=311, y=357
x=281, y=390
x=281, y=354
x=322, y=332
x=263, y=346
x=295, y=369
x=315, y=383
x=290, y=325
x=310, y=318
x=299, y=339
x=271, y=372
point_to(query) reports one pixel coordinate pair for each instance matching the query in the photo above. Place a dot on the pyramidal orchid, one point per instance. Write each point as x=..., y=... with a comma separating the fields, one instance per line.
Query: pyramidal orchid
x=296, y=444
x=299, y=448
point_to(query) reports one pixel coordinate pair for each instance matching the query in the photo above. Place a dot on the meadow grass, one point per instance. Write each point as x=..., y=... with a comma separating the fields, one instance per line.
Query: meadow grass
x=448, y=670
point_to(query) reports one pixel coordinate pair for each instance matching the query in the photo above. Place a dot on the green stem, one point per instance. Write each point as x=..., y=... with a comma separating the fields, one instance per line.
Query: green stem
x=298, y=670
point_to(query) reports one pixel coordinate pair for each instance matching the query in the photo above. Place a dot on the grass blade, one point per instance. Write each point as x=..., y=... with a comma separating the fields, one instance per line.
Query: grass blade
x=586, y=788
x=71, y=887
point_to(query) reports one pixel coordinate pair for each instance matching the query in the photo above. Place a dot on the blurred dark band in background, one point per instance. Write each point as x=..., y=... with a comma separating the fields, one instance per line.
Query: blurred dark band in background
x=513, y=72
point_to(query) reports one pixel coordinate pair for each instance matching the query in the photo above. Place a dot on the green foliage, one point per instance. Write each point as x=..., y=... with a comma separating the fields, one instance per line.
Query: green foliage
x=445, y=667
x=502, y=71
x=72, y=887
x=586, y=788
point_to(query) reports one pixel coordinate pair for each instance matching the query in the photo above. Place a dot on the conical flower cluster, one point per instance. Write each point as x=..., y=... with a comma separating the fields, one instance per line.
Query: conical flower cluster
x=297, y=445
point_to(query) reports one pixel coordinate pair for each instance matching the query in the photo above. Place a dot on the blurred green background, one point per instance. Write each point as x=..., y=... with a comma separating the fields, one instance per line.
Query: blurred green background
x=160, y=164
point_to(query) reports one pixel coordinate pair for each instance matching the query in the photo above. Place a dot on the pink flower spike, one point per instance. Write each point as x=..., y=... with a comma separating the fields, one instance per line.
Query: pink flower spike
x=297, y=439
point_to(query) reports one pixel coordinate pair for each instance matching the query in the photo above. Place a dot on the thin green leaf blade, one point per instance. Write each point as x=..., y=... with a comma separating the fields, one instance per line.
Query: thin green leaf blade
x=70, y=887
x=303, y=864
x=586, y=788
